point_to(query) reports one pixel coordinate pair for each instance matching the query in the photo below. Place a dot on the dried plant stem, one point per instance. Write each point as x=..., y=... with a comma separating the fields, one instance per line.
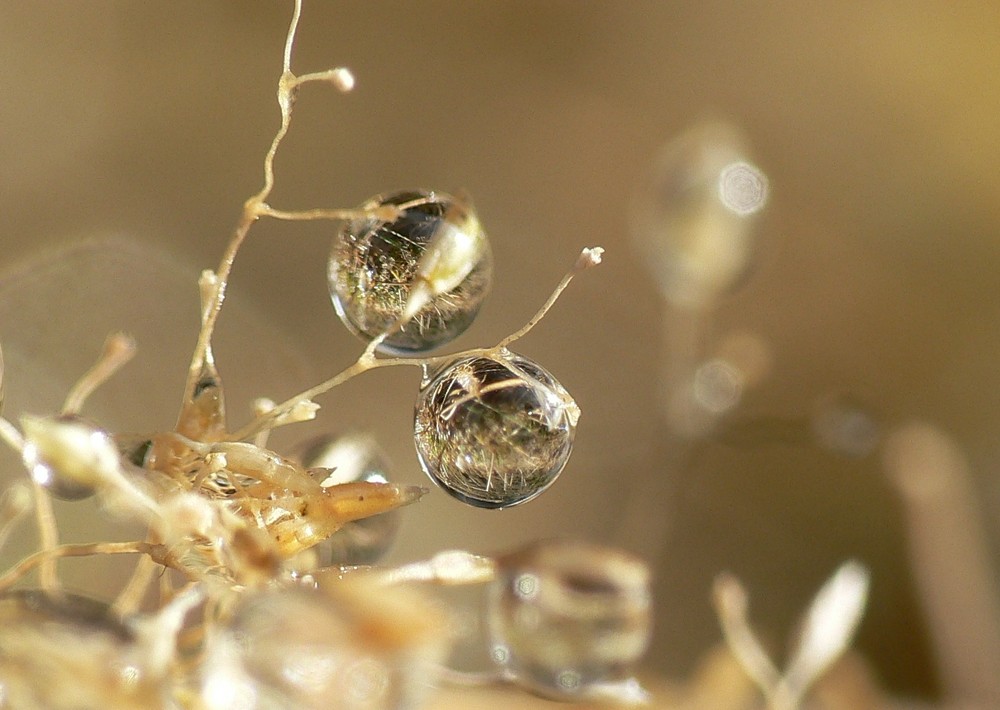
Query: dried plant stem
x=253, y=208
x=368, y=361
x=118, y=350
x=48, y=538
x=131, y=596
x=321, y=213
x=15, y=503
x=15, y=573
x=731, y=607
x=587, y=258
x=951, y=560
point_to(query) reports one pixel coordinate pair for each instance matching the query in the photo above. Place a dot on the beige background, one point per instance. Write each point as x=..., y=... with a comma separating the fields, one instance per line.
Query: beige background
x=142, y=125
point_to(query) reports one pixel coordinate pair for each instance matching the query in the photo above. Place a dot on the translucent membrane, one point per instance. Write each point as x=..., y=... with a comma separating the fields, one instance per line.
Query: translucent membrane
x=565, y=617
x=375, y=265
x=494, y=431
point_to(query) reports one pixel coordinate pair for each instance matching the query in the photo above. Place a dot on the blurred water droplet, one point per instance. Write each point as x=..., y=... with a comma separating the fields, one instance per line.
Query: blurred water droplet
x=585, y=622
x=692, y=219
x=348, y=646
x=353, y=458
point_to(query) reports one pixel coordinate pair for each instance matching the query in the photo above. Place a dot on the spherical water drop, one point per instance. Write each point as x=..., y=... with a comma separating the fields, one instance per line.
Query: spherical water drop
x=435, y=244
x=59, y=468
x=569, y=616
x=494, y=431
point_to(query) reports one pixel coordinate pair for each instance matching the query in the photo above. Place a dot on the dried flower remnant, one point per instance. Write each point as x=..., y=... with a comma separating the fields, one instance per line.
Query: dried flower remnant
x=826, y=632
x=352, y=458
x=66, y=651
x=70, y=651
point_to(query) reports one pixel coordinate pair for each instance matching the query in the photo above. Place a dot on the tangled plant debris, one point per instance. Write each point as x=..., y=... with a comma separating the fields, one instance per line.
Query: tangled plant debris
x=252, y=586
x=257, y=585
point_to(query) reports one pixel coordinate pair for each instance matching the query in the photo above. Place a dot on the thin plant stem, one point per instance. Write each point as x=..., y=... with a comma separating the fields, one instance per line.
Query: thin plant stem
x=118, y=350
x=48, y=537
x=131, y=596
x=18, y=571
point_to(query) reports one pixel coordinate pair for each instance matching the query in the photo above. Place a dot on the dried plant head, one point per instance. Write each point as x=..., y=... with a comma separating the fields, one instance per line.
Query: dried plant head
x=227, y=605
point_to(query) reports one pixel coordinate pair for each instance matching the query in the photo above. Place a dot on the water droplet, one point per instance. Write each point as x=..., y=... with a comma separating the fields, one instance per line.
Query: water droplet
x=58, y=468
x=435, y=242
x=692, y=219
x=586, y=622
x=494, y=431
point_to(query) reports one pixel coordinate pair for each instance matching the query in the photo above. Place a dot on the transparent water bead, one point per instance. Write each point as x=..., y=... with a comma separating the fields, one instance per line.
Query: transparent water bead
x=693, y=218
x=65, y=454
x=353, y=458
x=569, y=619
x=435, y=244
x=494, y=431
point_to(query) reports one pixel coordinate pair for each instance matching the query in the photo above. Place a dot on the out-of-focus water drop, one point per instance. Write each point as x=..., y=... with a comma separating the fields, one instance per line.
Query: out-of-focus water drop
x=567, y=617
x=346, y=646
x=692, y=219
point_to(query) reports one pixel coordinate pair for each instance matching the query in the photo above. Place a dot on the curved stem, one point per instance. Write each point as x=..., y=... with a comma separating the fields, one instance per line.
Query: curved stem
x=41, y=557
x=252, y=209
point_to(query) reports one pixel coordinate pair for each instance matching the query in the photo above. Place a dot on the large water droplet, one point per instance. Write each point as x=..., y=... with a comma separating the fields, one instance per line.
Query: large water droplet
x=375, y=265
x=494, y=431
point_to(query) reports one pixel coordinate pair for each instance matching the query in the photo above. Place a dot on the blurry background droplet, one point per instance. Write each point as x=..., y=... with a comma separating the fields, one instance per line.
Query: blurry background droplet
x=692, y=219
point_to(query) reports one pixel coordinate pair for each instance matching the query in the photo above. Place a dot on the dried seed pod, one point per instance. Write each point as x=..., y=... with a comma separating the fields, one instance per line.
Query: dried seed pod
x=568, y=617
x=430, y=267
x=353, y=458
x=494, y=431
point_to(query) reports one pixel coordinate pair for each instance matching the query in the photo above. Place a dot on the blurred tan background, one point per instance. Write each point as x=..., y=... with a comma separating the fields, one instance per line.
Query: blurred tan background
x=131, y=133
